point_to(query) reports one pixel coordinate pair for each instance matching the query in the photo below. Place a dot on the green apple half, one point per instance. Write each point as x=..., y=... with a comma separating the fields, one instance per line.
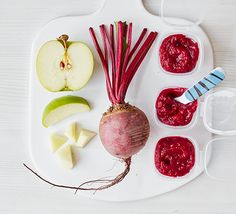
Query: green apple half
x=63, y=65
x=63, y=107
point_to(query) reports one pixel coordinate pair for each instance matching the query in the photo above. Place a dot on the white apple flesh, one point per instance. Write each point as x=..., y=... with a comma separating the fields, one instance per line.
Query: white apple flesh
x=66, y=157
x=64, y=68
x=57, y=141
x=72, y=131
x=85, y=136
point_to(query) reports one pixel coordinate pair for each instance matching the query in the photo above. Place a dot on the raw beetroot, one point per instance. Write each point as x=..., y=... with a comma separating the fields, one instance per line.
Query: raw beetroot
x=124, y=130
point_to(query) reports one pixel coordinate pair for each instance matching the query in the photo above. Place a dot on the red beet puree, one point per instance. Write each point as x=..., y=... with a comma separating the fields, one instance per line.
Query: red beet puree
x=178, y=54
x=174, y=156
x=171, y=112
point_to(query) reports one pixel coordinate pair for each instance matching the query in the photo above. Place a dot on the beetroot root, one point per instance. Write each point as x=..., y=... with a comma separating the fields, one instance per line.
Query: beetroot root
x=128, y=130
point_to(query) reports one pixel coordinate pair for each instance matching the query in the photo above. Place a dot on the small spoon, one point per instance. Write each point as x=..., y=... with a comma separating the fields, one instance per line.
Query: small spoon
x=208, y=82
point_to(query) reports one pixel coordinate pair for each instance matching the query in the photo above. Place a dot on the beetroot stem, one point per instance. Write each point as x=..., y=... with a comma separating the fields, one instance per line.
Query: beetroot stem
x=142, y=35
x=105, y=66
x=141, y=54
x=119, y=56
x=141, y=58
x=102, y=27
x=111, y=52
x=105, y=41
x=133, y=67
x=125, y=30
x=126, y=58
x=112, y=41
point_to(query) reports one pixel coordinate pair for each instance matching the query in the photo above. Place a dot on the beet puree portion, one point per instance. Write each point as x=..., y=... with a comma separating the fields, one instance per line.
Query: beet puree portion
x=178, y=54
x=171, y=112
x=174, y=156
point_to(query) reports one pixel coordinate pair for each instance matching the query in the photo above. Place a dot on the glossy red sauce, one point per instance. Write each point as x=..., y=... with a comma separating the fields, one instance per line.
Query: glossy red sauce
x=171, y=112
x=178, y=54
x=174, y=156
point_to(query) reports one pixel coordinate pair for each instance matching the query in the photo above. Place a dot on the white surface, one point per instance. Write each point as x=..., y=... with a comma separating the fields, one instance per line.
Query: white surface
x=142, y=93
x=19, y=193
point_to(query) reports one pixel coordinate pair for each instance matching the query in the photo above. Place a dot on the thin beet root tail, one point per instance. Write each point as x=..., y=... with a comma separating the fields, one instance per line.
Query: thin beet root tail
x=107, y=182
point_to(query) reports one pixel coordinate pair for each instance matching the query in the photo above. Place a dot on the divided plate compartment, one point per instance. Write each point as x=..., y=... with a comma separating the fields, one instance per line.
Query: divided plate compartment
x=94, y=162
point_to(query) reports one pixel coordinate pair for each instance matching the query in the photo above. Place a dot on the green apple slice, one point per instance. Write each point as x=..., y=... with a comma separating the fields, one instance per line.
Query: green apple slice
x=57, y=141
x=63, y=107
x=63, y=65
x=66, y=157
x=85, y=136
x=72, y=131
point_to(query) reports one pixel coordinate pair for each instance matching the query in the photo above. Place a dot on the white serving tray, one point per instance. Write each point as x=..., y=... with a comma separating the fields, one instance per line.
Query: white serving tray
x=94, y=162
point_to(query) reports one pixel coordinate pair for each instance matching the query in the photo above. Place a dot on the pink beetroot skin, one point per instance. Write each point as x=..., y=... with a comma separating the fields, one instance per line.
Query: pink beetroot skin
x=128, y=131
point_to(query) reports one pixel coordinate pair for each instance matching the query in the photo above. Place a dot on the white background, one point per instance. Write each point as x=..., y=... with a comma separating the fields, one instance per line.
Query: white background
x=19, y=191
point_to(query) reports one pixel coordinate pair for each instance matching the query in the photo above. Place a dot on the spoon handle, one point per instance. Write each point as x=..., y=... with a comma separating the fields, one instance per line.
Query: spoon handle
x=208, y=82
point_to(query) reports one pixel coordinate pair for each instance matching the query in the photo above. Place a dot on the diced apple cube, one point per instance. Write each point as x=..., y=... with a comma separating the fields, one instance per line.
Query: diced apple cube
x=56, y=141
x=72, y=132
x=66, y=157
x=85, y=136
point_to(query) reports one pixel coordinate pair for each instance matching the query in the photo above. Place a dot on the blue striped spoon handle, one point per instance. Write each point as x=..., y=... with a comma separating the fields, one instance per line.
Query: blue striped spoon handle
x=214, y=78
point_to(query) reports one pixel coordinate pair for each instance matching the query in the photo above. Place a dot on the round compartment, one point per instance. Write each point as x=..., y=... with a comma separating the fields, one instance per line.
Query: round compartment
x=200, y=56
x=196, y=162
x=219, y=113
x=188, y=126
x=220, y=158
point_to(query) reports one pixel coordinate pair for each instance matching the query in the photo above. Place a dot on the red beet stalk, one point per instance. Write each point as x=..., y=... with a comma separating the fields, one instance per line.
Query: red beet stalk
x=124, y=60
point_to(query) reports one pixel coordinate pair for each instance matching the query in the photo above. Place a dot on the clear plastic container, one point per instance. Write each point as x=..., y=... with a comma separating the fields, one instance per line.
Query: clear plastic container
x=221, y=153
x=219, y=113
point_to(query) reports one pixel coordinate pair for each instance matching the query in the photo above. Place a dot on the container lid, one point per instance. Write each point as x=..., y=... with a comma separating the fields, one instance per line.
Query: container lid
x=219, y=112
x=191, y=10
x=220, y=159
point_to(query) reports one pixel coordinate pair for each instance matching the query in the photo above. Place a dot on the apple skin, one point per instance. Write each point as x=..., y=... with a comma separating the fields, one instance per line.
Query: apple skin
x=56, y=48
x=58, y=103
